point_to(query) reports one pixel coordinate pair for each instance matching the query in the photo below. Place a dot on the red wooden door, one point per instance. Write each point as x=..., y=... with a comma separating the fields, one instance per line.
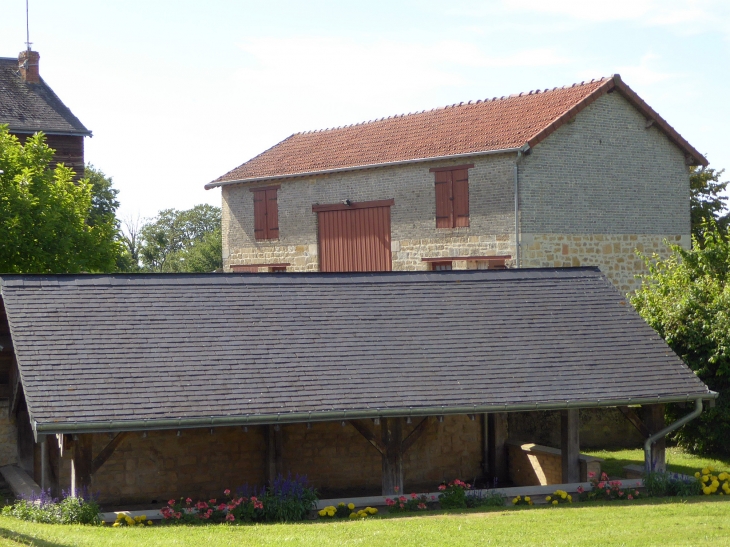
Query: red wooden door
x=354, y=238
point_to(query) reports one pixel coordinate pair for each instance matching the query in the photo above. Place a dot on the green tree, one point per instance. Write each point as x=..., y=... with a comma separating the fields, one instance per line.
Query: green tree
x=46, y=221
x=686, y=299
x=707, y=201
x=182, y=241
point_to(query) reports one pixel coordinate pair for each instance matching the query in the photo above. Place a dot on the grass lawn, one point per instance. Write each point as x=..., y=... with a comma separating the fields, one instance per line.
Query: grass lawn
x=678, y=461
x=700, y=521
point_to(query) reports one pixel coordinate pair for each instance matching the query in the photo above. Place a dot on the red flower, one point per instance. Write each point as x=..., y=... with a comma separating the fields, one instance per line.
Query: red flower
x=402, y=498
x=222, y=507
x=402, y=506
x=421, y=505
x=413, y=495
x=442, y=487
x=636, y=493
x=212, y=502
x=580, y=489
x=226, y=491
x=201, y=505
x=620, y=493
x=188, y=501
x=591, y=474
x=608, y=491
x=230, y=517
x=630, y=497
x=178, y=515
x=601, y=484
x=389, y=502
x=171, y=503
x=433, y=497
x=258, y=505
x=253, y=498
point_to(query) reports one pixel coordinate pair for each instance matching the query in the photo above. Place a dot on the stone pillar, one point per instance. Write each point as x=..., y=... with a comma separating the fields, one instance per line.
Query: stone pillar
x=392, y=437
x=570, y=445
x=497, y=432
x=654, y=421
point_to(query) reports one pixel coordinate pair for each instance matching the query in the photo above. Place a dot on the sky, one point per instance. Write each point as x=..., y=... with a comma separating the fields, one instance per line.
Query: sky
x=179, y=92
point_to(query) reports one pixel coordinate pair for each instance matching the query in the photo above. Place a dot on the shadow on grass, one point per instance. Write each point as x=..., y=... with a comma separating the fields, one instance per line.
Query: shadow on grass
x=23, y=539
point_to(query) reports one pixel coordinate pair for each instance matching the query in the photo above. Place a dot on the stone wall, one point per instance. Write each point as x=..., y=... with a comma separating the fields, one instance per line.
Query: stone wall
x=337, y=460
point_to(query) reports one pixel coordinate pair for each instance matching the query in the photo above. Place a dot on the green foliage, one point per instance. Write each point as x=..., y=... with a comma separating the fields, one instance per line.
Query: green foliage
x=661, y=484
x=707, y=201
x=182, y=241
x=453, y=494
x=686, y=299
x=48, y=223
x=70, y=510
x=489, y=499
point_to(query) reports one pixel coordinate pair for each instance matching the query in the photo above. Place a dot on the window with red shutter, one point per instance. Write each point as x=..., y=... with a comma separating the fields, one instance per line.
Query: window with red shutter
x=265, y=213
x=452, y=196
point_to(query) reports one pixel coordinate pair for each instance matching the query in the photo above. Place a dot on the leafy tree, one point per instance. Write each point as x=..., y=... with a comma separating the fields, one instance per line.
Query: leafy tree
x=175, y=238
x=47, y=223
x=707, y=201
x=686, y=299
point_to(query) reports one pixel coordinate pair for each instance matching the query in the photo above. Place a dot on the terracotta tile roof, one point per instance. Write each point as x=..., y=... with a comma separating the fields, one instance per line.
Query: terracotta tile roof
x=501, y=123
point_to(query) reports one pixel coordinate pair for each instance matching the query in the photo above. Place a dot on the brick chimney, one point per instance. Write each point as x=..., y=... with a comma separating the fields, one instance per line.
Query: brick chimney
x=28, y=65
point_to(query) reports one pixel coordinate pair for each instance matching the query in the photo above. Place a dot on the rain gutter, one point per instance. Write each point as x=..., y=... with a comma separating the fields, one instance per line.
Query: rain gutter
x=522, y=148
x=671, y=427
x=110, y=426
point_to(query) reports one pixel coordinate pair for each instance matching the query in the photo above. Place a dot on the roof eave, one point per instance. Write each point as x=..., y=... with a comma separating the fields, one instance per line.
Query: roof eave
x=215, y=184
x=112, y=426
x=26, y=131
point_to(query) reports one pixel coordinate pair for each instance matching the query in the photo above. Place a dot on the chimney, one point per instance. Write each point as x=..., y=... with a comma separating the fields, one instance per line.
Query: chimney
x=28, y=65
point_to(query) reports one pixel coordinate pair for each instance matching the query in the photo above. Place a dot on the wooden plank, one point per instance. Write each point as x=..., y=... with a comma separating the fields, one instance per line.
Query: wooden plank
x=366, y=432
x=570, y=444
x=274, y=442
x=415, y=434
x=654, y=420
x=632, y=417
x=460, y=187
x=353, y=205
x=107, y=451
x=444, y=201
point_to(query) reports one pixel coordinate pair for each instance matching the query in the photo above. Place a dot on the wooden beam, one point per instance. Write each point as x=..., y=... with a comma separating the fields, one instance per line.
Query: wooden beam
x=570, y=445
x=274, y=442
x=414, y=435
x=81, y=464
x=107, y=451
x=366, y=432
x=392, y=437
x=633, y=417
x=496, y=448
x=654, y=419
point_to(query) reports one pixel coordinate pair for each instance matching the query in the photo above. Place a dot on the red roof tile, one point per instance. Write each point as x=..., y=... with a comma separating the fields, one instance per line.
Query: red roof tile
x=501, y=123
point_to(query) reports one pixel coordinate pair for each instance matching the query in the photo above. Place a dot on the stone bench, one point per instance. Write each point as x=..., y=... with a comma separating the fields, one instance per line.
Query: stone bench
x=533, y=464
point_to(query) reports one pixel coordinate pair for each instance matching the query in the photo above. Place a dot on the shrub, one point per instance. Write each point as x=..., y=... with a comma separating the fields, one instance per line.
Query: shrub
x=660, y=484
x=453, y=494
x=414, y=502
x=49, y=510
x=490, y=499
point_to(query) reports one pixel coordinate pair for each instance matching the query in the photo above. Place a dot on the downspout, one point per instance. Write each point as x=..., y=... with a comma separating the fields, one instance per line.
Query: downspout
x=517, y=209
x=672, y=427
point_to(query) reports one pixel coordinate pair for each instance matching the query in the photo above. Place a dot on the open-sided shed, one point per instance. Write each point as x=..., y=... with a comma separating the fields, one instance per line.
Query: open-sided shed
x=185, y=384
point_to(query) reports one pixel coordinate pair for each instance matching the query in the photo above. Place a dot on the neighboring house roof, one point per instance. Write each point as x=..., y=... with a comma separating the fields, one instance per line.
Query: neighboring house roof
x=28, y=108
x=500, y=124
x=126, y=352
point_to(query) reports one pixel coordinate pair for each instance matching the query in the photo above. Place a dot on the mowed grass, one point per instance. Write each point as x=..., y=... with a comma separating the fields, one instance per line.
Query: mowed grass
x=678, y=461
x=700, y=521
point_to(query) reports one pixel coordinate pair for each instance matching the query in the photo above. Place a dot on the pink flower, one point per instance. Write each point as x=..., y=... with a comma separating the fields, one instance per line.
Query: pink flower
x=258, y=505
x=421, y=505
x=402, y=498
x=205, y=516
x=630, y=497
x=230, y=517
x=222, y=507
x=171, y=503
x=395, y=488
x=636, y=493
x=604, y=477
x=188, y=501
x=226, y=492
x=389, y=502
x=212, y=502
x=201, y=505
x=253, y=498
x=591, y=474
x=178, y=515
x=601, y=484
x=433, y=497
x=413, y=495
x=608, y=491
x=580, y=489
x=232, y=506
x=402, y=506
x=442, y=487
x=620, y=493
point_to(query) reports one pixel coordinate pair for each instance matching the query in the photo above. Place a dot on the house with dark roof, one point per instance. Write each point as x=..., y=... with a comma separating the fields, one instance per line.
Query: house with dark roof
x=150, y=387
x=581, y=175
x=29, y=105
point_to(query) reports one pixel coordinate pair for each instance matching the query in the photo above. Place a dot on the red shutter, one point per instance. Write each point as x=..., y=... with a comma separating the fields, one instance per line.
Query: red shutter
x=259, y=215
x=444, y=208
x=461, y=197
x=272, y=214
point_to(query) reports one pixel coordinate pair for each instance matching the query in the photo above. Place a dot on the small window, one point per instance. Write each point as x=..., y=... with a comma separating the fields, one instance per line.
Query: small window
x=266, y=213
x=442, y=266
x=452, y=196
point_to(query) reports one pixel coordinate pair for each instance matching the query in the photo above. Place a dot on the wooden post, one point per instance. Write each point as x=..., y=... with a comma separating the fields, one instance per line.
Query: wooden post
x=81, y=464
x=392, y=437
x=485, y=443
x=570, y=445
x=497, y=450
x=654, y=420
x=274, y=444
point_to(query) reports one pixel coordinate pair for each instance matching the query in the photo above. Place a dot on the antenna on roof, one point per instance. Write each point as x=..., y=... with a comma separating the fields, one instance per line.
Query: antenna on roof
x=27, y=27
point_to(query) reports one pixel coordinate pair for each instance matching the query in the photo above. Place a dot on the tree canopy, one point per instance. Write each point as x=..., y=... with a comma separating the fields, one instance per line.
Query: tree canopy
x=707, y=200
x=48, y=222
x=686, y=299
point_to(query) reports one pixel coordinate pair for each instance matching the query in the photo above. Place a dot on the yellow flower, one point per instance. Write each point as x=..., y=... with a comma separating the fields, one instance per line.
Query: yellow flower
x=570, y=498
x=527, y=498
x=715, y=484
x=330, y=513
x=548, y=498
x=555, y=502
x=341, y=504
x=322, y=513
x=372, y=510
x=563, y=495
x=710, y=468
x=149, y=523
x=117, y=523
x=706, y=471
x=705, y=478
x=350, y=506
x=707, y=490
x=697, y=475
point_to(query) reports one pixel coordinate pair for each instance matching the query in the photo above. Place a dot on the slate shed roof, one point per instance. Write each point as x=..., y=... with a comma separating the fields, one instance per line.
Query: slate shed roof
x=28, y=108
x=125, y=352
x=511, y=123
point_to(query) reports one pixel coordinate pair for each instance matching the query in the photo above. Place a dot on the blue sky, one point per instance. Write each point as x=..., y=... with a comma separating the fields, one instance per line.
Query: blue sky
x=179, y=92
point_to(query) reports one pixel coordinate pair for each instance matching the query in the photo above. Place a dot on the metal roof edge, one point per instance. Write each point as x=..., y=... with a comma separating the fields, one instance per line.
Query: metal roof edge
x=111, y=426
x=216, y=184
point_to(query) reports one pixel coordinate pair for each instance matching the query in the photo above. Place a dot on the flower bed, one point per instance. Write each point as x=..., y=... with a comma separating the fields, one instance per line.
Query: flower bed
x=605, y=489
